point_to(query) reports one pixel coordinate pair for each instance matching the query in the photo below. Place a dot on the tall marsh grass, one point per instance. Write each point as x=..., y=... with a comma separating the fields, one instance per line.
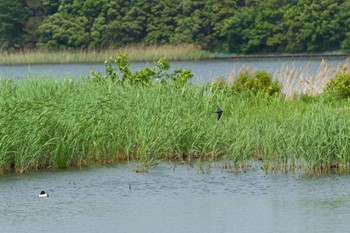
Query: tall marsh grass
x=46, y=123
x=135, y=53
x=297, y=81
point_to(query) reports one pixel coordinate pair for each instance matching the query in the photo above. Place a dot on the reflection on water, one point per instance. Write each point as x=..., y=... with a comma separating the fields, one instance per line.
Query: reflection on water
x=202, y=70
x=173, y=199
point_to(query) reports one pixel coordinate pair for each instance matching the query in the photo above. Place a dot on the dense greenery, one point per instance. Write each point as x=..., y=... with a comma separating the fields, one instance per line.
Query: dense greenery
x=340, y=84
x=256, y=82
x=153, y=115
x=242, y=26
x=46, y=123
x=118, y=71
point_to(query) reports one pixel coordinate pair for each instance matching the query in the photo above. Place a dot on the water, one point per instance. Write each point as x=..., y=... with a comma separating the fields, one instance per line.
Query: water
x=173, y=199
x=167, y=199
x=202, y=70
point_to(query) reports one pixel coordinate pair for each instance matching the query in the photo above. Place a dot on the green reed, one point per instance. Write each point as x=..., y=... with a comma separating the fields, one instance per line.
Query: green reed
x=50, y=124
x=135, y=53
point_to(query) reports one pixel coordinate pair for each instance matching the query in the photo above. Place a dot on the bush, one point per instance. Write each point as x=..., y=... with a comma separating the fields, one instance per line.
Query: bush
x=117, y=70
x=339, y=85
x=256, y=82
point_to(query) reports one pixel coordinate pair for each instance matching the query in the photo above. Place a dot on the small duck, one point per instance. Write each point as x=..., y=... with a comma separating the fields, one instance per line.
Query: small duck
x=43, y=194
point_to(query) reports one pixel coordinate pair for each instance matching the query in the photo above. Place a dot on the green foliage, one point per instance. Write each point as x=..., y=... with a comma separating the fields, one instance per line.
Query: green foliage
x=161, y=23
x=61, y=31
x=256, y=28
x=340, y=84
x=118, y=70
x=220, y=84
x=181, y=76
x=256, y=82
x=315, y=25
x=299, y=26
x=259, y=82
x=13, y=15
x=51, y=124
x=230, y=25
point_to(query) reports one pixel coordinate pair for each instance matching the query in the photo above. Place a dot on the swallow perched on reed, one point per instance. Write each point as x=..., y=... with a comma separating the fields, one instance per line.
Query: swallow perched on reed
x=219, y=112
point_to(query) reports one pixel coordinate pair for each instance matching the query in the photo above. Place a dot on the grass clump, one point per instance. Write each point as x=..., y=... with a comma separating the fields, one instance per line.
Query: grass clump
x=340, y=84
x=59, y=124
x=52, y=124
x=256, y=82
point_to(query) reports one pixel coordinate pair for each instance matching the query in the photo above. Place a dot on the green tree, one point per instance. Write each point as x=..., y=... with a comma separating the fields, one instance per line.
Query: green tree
x=62, y=31
x=256, y=28
x=50, y=6
x=236, y=30
x=344, y=19
x=134, y=25
x=13, y=16
x=30, y=29
x=161, y=22
x=97, y=29
x=71, y=26
x=193, y=24
x=314, y=25
x=241, y=26
x=217, y=12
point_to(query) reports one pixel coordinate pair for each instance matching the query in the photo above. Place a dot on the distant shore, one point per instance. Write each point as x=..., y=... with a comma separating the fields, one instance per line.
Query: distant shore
x=135, y=54
x=142, y=54
x=279, y=55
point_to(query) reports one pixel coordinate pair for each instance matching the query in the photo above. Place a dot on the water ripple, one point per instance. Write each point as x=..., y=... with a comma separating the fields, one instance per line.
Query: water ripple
x=173, y=199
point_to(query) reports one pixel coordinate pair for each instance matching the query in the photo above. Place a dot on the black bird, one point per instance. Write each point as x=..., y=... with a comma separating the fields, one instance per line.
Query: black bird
x=219, y=112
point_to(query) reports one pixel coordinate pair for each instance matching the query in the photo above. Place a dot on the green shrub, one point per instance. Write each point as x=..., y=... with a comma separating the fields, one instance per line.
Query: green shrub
x=181, y=76
x=339, y=85
x=117, y=70
x=256, y=82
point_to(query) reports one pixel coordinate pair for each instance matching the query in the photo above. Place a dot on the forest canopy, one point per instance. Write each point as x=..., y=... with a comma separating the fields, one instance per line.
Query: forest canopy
x=239, y=26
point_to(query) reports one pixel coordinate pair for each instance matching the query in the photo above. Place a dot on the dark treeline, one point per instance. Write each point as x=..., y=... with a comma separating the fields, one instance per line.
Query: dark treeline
x=241, y=26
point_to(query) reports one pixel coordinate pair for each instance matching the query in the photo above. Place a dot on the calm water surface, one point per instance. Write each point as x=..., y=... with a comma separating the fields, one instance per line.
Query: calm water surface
x=173, y=199
x=202, y=70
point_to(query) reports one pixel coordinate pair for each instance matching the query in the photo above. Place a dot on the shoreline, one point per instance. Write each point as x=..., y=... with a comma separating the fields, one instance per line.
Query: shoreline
x=135, y=53
x=283, y=55
x=148, y=54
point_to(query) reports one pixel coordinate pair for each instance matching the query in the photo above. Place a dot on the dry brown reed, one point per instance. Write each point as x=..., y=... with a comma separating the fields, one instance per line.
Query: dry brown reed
x=135, y=53
x=297, y=81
